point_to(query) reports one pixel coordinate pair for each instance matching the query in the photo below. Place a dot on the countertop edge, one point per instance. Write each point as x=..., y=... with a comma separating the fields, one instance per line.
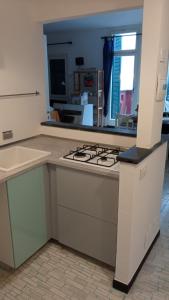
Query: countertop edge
x=135, y=155
x=27, y=168
x=115, y=131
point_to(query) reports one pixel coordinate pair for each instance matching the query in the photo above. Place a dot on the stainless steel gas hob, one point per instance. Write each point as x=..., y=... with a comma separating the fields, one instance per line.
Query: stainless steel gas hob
x=105, y=157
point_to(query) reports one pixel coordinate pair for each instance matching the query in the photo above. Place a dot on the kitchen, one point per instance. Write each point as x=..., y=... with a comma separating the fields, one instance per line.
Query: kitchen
x=25, y=116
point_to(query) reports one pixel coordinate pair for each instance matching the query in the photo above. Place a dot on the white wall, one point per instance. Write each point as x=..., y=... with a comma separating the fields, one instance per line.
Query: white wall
x=50, y=10
x=139, y=211
x=155, y=39
x=21, y=70
x=86, y=136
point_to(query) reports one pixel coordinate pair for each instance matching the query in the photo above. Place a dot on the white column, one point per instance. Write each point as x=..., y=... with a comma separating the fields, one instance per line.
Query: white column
x=139, y=212
x=155, y=46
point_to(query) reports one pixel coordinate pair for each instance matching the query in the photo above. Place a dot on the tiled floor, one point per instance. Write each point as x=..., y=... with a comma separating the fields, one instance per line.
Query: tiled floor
x=56, y=273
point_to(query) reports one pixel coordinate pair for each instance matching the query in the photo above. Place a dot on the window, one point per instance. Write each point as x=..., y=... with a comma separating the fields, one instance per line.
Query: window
x=123, y=74
x=167, y=97
x=125, y=41
x=166, y=107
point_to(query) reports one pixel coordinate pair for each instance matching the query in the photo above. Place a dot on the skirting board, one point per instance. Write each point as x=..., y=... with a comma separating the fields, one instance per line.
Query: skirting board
x=126, y=287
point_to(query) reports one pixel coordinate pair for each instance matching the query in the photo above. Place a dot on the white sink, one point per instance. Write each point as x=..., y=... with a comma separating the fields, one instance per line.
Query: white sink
x=18, y=156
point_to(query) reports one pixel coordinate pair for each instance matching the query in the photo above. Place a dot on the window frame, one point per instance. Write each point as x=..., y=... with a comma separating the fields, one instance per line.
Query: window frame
x=137, y=53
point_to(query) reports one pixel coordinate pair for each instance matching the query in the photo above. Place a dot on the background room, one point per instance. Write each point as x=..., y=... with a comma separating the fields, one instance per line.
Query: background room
x=93, y=70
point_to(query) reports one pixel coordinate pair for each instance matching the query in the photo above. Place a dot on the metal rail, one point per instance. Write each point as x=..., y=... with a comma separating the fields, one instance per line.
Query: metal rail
x=60, y=43
x=122, y=35
x=36, y=93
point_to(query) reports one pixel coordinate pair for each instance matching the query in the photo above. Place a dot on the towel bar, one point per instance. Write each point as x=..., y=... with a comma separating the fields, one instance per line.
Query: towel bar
x=36, y=93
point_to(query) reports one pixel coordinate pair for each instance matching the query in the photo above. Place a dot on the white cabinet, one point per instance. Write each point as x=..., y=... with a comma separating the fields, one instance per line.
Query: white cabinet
x=23, y=216
x=87, y=208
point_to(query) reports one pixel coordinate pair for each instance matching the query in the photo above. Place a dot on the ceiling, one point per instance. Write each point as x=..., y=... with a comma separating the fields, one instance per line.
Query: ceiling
x=111, y=19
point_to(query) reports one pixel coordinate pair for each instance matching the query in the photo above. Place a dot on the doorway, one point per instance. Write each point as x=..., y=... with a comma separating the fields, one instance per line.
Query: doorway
x=58, y=77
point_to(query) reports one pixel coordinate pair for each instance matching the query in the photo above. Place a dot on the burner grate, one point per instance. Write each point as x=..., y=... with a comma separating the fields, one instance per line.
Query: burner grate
x=95, y=155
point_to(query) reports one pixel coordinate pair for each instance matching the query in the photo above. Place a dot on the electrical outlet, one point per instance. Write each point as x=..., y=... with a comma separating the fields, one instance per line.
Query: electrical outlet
x=7, y=135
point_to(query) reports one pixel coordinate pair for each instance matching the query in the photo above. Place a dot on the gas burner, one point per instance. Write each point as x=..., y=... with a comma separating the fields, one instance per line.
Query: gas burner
x=113, y=151
x=95, y=155
x=103, y=158
x=93, y=149
x=106, y=161
x=116, y=151
x=80, y=154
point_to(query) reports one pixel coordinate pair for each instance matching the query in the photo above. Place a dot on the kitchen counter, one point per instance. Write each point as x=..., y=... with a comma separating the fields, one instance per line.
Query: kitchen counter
x=58, y=148
x=106, y=130
x=135, y=155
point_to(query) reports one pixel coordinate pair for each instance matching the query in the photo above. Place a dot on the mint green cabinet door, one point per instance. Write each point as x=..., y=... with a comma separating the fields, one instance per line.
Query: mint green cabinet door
x=26, y=196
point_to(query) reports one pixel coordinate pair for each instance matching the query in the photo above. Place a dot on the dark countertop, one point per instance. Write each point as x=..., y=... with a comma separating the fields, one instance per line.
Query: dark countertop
x=135, y=154
x=105, y=130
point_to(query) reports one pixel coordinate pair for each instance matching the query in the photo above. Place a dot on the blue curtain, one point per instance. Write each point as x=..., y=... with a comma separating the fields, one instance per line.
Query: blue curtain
x=107, y=67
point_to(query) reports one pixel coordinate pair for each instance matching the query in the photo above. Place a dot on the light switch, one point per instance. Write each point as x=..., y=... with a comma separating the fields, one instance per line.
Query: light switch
x=161, y=89
x=164, y=55
x=143, y=172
